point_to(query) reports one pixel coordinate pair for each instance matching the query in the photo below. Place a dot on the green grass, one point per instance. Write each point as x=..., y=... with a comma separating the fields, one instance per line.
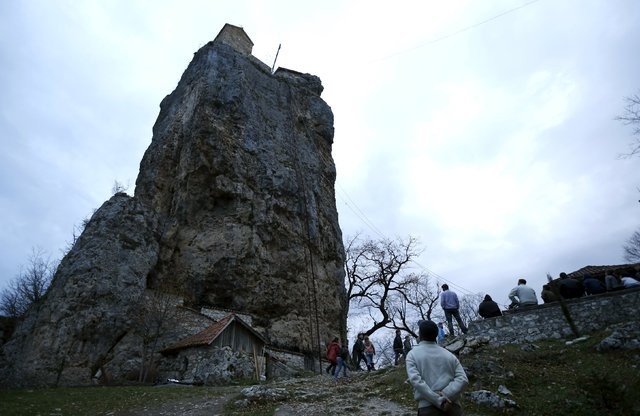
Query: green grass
x=94, y=400
x=574, y=379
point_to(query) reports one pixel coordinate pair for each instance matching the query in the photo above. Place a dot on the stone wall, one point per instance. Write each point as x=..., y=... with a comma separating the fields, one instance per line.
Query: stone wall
x=211, y=366
x=547, y=321
x=285, y=364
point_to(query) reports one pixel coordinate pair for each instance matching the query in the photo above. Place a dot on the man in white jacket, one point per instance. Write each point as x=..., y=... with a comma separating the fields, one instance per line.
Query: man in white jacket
x=436, y=374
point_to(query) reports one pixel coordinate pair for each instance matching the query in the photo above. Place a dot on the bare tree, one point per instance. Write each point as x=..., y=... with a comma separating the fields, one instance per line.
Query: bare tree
x=377, y=277
x=631, y=116
x=155, y=317
x=632, y=248
x=469, y=307
x=418, y=302
x=29, y=286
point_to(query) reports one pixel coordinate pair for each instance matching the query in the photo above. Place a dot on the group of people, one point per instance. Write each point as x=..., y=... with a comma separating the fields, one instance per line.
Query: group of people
x=338, y=357
x=570, y=288
x=363, y=350
x=436, y=375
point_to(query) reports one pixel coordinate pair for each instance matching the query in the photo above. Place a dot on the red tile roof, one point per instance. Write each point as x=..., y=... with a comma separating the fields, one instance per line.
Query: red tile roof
x=209, y=334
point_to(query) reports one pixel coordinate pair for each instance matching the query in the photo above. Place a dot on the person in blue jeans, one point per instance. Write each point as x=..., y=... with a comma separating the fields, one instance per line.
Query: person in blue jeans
x=369, y=352
x=450, y=305
x=440, y=337
x=343, y=358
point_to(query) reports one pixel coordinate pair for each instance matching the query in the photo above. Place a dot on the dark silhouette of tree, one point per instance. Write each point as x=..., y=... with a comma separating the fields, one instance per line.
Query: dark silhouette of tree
x=29, y=286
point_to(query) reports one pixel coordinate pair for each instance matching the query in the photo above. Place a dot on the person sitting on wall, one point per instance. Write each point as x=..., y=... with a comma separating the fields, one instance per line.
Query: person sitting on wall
x=593, y=285
x=522, y=295
x=547, y=294
x=629, y=282
x=488, y=308
x=613, y=282
x=569, y=287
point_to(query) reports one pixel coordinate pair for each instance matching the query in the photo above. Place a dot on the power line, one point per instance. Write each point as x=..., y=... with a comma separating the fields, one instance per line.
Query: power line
x=457, y=32
x=363, y=217
x=359, y=213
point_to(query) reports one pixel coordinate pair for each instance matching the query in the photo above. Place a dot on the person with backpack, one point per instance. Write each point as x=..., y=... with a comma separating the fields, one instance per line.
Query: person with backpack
x=342, y=359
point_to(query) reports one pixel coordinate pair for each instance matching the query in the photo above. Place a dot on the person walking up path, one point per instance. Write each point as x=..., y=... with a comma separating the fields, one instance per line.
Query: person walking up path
x=342, y=359
x=369, y=352
x=332, y=355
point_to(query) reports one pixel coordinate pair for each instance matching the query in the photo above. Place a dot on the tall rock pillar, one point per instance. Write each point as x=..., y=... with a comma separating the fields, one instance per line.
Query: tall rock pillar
x=241, y=175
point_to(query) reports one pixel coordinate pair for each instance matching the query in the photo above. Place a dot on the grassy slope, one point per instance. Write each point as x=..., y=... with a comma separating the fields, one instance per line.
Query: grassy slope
x=552, y=379
x=95, y=400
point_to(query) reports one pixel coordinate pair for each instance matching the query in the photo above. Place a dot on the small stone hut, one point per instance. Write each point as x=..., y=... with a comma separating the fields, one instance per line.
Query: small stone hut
x=227, y=350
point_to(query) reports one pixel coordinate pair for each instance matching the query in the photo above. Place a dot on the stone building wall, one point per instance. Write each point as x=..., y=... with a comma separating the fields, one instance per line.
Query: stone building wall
x=547, y=321
x=211, y=366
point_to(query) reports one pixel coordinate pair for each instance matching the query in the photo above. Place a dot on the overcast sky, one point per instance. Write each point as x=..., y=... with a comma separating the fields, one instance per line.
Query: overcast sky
x=484, y=129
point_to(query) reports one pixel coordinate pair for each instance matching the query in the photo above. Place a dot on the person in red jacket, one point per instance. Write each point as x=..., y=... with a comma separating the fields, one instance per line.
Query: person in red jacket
x=332, y=355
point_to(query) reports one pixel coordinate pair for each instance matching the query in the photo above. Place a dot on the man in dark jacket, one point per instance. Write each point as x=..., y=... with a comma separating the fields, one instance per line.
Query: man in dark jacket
x=569, y=287
x=398, y=348
x=488, y=308
x=358, y=352
x=593, y=285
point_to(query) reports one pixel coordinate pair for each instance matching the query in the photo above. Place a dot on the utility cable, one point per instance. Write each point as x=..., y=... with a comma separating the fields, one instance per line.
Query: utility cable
x=457, y=32
x=363, y=217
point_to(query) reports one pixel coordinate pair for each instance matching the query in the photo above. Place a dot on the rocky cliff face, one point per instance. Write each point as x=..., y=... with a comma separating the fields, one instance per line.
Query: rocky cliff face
x=92, y=302
x=234, y=208
x=240, y=170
